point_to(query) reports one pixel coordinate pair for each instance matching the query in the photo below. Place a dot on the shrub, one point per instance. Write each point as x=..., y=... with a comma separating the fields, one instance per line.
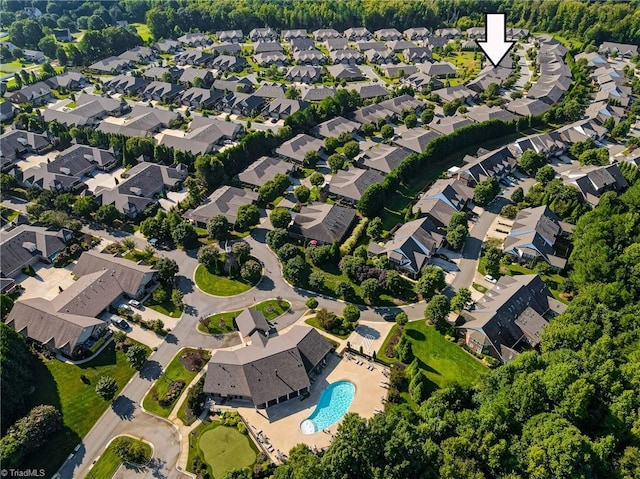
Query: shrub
x=107, y=387
x=402, y=318
x=137, y=355
x=351, y=313
x=251, y=271
x=172, y=394
x=129, y=450
x=277, y=238
x=160, y=295
x=316, y=179
x=351, y=242
x=311, y=303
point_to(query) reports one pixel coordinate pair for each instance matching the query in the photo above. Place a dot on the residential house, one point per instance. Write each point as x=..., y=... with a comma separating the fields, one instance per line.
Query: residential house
x=228, y=63
x=297, y=147
x=534, y=235
x=624, y=50
x=159, y=73
x=310, y=57
x=549, y=89
x=303, y=74
x=528, y=107
x=234, y=49
x=161, y=91
x=324, y=34
x=203, y=135
x=300, y=44
x=242, y=103
x=7, y=111
x=458, y=92
x=62, y=34
x=448, y=33
x=224, y=201
x=14, y=144
x=510, y=318
x=438, y=69
x=349, y=185
x=417, y=54
x=144, y=181
x=345, y=72
x=189, y=76
x=282, y=107
x=402, y=103
x=398, y=70
x=496, y=163
x=167, y=46
x=417, y=33
x=347, y=56
x=388, y=35
x=515, y=34
x=335, y=127
x=371, y=45
x=421, y=81
x=372, y=114
x=193, y=57
x=416, y=139
x=357, y=34
x=33, y=56
x=435, y=42
x=26, y=245
x=263, y=35
x=400, y=45
x=201, y=98
x=110, y=66
x=230, y=36
x=68, y=80
x=482, y=113
x=139, y=55
x=125, y=84
x=333, y=44
x=381, y=56
x=593, y=181
x=316, y=93
x=594, y=60
x=37, y=94
x=551, y=144
x=233, y=84
x=369, y=90
x=270, y=370
x=288, y=35
x=195, y=39
x=477, y=33
x=278, y=59
x=267, y=47
x=382, y=158
x=448, y=124
x=322, y=223
x=251, y=321
x=89, y=110
x=601, y=111
x=412, y=246
x=453, y=192
x=264, y=169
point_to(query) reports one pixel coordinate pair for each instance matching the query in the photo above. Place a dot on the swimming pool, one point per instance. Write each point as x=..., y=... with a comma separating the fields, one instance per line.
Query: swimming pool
x=333, y=404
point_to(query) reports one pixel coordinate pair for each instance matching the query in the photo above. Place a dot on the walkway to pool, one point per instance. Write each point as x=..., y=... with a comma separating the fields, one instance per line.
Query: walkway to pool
x=282, y=426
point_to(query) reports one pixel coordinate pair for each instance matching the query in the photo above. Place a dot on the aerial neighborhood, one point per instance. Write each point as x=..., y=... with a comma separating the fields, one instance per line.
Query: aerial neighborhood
x=233, y=226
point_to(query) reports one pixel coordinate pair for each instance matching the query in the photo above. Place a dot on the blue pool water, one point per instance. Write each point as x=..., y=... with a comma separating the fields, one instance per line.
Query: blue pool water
x=333, y=404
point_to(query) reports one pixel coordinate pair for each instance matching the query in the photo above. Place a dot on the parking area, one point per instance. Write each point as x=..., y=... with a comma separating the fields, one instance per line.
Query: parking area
x=370, y=335
x=47, y=282
x=103, y=178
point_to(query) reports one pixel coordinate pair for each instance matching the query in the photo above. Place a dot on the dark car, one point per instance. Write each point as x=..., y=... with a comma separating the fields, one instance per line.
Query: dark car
x=122, y=324
x=389, y=316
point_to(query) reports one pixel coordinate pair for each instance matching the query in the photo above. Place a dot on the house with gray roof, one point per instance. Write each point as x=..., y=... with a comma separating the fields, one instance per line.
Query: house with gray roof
x=310, y=57
x=228, y=63
x=335, y=126
x=303, y=74
x=167, y=46
x=224, y=201
x=263, y=34
x=144, y=181
x=333, y=44
x=234, y=84
x=195, y=39
x=401, y=103
x=372, y=114
x=388, y=34
x=227, y=48
x=288, y=35
x=510, y=317
x=7, y=110
x=416, y=33
x=250, y=321
x=325, y=34
x=193, y=57
x=420, y=81
x=111, y=65
x=139, y=54
x=381, y=57
x=349, y=185
x=271, y=91
x=624, y=50
x=267, y=372
x=282, y=107
x=527, y=107
x=452, y=191
x=125, y=84
x=37, y=94
x=271, y=58
x=201, y=137
x=267, y=47
x=69, y=80
x=534, y=234
x=231, y=36
x=143, y=121
x=161, y=91
x=203, y=98
x=317, y=93
x=593, y=181
x=458, y=92
x=412, y=246
x=416, y=139
x=371, y=45
x=26, y=245
x=448, y=124
x=16, y=143
x=322, y=222
x=297, y=147
x=357, y=34
x=438, y=69
x=448, y=32
x=301, y=44
x=264, y=169
x=482, y=113
x=240, y=103
x=417, y=54
x=496, y=163
x=189, y=76
x=346, y=56
x=435, y=42
x=369, y=90
x=88, y=110
x=398, y=70
x=158, y=73
x=383, y=158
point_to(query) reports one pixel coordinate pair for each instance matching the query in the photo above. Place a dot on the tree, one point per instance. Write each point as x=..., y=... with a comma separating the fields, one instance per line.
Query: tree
x=311, y=303
x=310, y=159
x=345, y=291
x=426, y=116
x=518, y=195
x=276, y=238
x=545, y=174
x=251, y=271
x=129, y=450
x=509, y=211
x=402, y=319
x=437, y=311
x=351, y=313
x=218, y=227
x=394, y=283
x=320, y=255
x=316, y=179
x=461, y=298
x=47, y=45
x=184, y=234
x=107, y=387
x=486, y=191
x=288, y=251
x=167, y=268
x=387, y=132
x=403, y=350
x=331, y=144
x=368, y=129
x=136, y=355
x=431, y=281
x=247, y=216
x=327, y=320
x=411, y=120
x=374, y=228
x=16, y=373
x=242, y=250
x=291, y=93
x=236, y=474
x=209, y=257
x=61, y=56
x=128, y=243
x=456, y=237
x=107, y=214
x=335, y=162
x=351, y=149
x=302, y=193
x=280, y=217
x=177, y=298
x=492, y=257
x=316, y=280
x=296, y=271
x=530, y=162
x=370, y=290
x=160, y=295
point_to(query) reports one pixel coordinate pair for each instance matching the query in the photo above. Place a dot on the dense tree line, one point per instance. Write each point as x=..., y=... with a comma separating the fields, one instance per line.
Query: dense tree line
x=15, y=373
x=570, y=411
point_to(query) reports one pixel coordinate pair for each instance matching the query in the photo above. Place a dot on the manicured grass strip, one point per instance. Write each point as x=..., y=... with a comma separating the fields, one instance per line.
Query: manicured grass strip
x=219, y=285
x=272, y=308
x=175, y=371
x=220, y=323
x=224, y=449
x=167, y=308
x=108, y=463
x=443, y=362
x=314, y=322
x=59, y=384
x=478, y=287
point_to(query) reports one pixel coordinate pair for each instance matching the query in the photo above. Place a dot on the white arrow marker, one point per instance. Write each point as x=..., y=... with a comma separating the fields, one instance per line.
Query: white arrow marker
x=496, y=45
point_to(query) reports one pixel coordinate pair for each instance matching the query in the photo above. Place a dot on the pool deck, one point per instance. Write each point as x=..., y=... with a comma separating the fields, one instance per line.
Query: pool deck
x=281, y=423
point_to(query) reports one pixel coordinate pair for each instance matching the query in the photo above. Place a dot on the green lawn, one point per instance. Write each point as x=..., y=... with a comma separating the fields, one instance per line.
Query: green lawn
x=272, y=308
x=224, y=448
x=143, y=31
x=443, y=362
x=175, y=371
x=314, y=322
x=59, y=384
x=479, y=288
x=8, y=214
x=108, y=462
x=168, y=308
x=219, y=285
x=216, y=321
x=553, y=281
x=137, y=255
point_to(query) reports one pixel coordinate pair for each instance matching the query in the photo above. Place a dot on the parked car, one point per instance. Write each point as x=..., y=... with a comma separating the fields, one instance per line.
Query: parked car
x=121, y=323
x=491, y=279
x=389, y=317
x=135, y=304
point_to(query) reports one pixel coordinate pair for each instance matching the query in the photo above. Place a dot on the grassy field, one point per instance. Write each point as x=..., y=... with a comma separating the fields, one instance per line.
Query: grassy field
x=443, y=362
x=219, y=285
x=272, y=308
x=167, y=308
x=175, y=371
x=224, y=448
x=60, y=385
x=109, y=462
x=216, y=320
x=143, y=31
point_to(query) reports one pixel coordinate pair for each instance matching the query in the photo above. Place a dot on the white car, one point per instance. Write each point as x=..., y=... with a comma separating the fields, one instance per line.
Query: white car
x=135, y=304
x=491, y=279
